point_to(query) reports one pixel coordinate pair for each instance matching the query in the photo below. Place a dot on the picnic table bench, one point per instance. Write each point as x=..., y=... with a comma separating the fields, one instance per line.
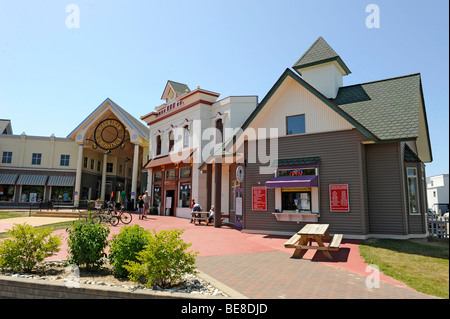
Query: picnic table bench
x=318, y=232
x=200, y=216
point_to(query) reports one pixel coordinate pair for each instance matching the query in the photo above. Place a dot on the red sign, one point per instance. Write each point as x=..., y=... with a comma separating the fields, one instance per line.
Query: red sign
x=259, y=198
x=339, y=200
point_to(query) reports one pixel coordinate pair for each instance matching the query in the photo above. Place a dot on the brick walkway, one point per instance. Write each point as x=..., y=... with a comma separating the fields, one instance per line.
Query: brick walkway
x=268, y=275
x=258, y=266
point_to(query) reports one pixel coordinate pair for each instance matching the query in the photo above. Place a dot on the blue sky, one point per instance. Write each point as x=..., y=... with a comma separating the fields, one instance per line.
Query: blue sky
x=52, y=76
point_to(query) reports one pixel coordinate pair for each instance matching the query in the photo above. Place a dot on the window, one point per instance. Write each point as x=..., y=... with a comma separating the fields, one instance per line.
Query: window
x=171, y=174
x=171, y=141
x=185, y=172
x=186, y=136
x=157, y=176
x=109, y=167
x=85, y=162
x=185, y=195
x=99, y=165
x=299, y=201
x=413, y=195
x=6, y=193
x=36, y=159
x=156, y=195
x=219, y=131
x=65, y=159
x=7, y=157
x=158, y=145
x=295, y=124
x=93, y=164
x=296, y=172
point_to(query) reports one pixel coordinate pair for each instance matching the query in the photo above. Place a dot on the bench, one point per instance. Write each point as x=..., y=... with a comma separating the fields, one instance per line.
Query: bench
x=292, y=241
x=300, y=240
x=335, y=242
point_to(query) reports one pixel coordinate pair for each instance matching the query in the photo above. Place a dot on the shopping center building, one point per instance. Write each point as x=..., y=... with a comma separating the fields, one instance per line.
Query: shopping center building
x=102, y=156
x=311, y=151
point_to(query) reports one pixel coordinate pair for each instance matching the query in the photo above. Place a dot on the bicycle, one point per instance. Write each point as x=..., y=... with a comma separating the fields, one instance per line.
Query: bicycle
x=121, y=215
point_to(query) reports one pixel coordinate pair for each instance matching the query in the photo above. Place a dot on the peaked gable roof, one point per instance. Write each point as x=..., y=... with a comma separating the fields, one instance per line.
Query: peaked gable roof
x=319, y=52
x=384, y=111
x=177, y=87
x=130, y=120
x=328, y=102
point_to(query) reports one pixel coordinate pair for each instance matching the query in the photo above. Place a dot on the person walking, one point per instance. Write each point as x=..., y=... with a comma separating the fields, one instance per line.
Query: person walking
x=123, y=198
x=146, y=198
x=141, y=207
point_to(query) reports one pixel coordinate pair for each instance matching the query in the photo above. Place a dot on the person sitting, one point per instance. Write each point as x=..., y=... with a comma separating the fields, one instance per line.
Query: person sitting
x=211, y=215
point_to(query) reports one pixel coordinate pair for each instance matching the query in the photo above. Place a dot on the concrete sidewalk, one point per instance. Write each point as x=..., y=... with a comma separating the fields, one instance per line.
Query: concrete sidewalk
x=258, y=266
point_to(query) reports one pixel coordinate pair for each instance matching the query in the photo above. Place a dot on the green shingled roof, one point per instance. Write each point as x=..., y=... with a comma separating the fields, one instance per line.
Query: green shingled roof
x=179, y=87
x=319, y=52
x=389, y=108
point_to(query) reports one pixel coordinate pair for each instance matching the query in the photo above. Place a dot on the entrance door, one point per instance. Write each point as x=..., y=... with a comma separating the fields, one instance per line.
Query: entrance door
x=238, y=204
x=169, y=203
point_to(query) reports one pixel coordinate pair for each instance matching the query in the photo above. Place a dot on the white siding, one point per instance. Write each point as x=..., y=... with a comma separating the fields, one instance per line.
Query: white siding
x=293, y=99
x=325, y=78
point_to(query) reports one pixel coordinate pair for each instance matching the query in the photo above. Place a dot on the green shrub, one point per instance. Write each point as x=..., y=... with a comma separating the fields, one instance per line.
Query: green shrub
x=27, y=246
x=87, y=243
x=163, y=261
x=125, y=246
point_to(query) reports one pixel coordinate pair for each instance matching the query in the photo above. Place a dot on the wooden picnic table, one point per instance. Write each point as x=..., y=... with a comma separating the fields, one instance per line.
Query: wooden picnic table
x=200, y=216
x=317, y=232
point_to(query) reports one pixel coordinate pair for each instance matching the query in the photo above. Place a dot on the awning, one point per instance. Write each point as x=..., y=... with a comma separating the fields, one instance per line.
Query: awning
x=293, y=181
x=37, y=180
x=8, y=179
x=170, y=159
x=61, y=181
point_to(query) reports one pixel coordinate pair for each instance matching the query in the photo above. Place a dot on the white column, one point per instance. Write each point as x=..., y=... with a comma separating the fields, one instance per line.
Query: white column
x=103, y=189
x=76, y=201
x=135, y=172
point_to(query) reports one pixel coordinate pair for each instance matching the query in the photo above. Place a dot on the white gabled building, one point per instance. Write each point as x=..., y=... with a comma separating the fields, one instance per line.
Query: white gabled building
x=438, y=193
x=182, y=136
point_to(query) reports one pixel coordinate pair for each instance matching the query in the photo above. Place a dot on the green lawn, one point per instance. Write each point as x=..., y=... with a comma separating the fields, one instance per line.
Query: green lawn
x=423, y=266
x=7, y=214
x=13, y=214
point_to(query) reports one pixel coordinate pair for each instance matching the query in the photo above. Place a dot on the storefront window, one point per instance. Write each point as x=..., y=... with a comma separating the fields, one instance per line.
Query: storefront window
x=62, y=193
x=157, y=176
x=32, y=194
x=185, y=195
x=412, y=191
x=171, y=174
x=6, y=193
x=156, y=195
x=296, y=201
x=185, y=172
x=296, y=172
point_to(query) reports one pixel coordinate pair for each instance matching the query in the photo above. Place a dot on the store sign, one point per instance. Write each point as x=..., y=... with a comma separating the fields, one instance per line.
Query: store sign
x=109, y=135
x=259, y=198
x=339, y=198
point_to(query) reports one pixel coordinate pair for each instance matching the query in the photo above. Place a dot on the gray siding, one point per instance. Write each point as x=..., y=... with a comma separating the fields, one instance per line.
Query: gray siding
x=340, y=163
x=385, y=178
